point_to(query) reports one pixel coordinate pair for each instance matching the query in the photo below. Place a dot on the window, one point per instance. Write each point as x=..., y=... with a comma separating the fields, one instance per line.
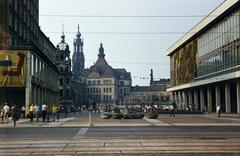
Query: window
x=67, y=81
x=61, y=93
x=61, y=56
x=61, y=81
x=98, y=82
x=67, y=93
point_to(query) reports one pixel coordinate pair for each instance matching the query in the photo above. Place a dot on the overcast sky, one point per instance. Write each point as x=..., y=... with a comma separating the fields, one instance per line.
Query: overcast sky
x=144, y=41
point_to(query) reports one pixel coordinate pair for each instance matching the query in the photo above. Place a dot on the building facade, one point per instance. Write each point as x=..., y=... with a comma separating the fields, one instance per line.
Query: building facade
x=63, y=63
x=155, y=94
x=104, y=84
x=78, y=62
x=205, y=62
x=27, y=57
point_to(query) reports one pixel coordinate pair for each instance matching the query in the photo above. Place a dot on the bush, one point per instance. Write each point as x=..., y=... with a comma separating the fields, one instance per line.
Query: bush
x=151, y=115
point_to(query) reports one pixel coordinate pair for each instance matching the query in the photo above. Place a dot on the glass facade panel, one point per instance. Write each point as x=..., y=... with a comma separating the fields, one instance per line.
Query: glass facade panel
x=218, y=48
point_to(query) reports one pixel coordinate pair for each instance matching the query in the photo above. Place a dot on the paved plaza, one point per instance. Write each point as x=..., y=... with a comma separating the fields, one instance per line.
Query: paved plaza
x=183, y=135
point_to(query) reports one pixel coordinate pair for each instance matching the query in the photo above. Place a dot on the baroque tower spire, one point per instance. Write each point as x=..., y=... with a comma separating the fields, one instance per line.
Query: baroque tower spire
x=78, y=56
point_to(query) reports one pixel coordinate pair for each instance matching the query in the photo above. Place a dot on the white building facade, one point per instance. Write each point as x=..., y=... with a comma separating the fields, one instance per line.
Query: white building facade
x=205, y=63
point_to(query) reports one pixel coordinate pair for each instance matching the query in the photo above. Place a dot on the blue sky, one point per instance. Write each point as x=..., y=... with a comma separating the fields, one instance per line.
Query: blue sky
x=139, y=52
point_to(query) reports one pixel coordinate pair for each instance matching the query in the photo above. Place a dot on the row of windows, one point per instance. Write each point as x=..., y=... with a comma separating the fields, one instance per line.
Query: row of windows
x=107, y=82
x=226, y=31
x=124, y=91
x=98, y=90
x=94, y=90
x=94, y=83
x=107, y=90
x=98, y=82
x=223, y=61
x=66, y=81
x=97, y=98
x=42, y=71
x=64, y=93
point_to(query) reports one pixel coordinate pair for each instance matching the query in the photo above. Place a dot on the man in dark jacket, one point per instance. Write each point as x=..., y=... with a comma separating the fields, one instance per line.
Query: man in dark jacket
x=14, y=113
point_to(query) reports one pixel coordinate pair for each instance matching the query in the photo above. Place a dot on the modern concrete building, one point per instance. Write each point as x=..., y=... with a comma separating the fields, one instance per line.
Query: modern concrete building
x=205, y=62
x=28, y=73
x=106, y=85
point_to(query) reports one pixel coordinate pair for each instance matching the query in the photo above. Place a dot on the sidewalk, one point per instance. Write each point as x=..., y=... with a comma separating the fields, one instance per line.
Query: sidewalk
x=82, y=120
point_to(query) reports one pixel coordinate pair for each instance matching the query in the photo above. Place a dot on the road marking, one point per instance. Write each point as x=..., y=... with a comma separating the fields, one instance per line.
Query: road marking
x=222, y=118
x=81, y=133
x=156, y=122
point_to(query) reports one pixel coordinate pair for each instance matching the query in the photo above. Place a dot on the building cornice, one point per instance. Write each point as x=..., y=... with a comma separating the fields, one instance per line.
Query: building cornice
x=215, y=14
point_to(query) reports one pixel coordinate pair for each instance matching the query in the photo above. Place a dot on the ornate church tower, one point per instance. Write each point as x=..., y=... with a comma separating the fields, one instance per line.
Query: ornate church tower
x=63, y=63
x=78, y=57
x=78, y=61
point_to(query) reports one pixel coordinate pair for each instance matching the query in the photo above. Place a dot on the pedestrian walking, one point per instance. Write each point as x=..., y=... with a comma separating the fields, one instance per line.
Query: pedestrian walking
x=172, y=110
x=23, y=112
x=31, y=112
x=44, y=112
x=6, y=110
x=58, y=113
x=54, y=112
x=2, y=115
x=37, y=111
x=219, y=110
x=14, y=113
x=48, y=113
x=65, y=111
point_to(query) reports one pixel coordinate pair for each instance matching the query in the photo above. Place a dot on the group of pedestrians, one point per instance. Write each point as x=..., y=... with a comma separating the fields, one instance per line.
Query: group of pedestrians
x=12, y=113
x=44, y=112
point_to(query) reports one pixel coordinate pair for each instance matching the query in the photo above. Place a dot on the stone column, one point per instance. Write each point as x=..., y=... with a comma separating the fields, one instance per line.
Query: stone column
x=202, y=100
x=196, y=104
x=227, y=98
x=209, y=99
x=218, y=96
x=238, y=96
x=28, y=88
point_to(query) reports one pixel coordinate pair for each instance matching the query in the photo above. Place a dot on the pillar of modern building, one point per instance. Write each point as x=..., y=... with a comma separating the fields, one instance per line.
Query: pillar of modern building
x=202, y=100
x=175, y=98
x=238, y=96
x=182, y=102
x=179, y=100
x=218, y=96
x=171, y=97
x=190, y=100
x=28, y=88
x=196, y=104
x=185, y=103
x=227, y=98
x=37, y=95
x=209, y=99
